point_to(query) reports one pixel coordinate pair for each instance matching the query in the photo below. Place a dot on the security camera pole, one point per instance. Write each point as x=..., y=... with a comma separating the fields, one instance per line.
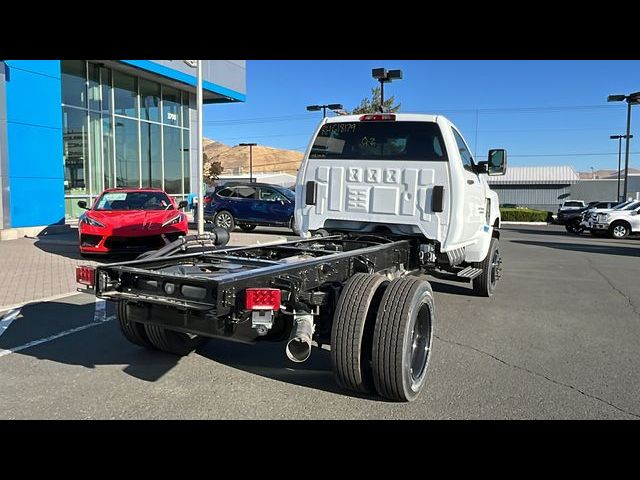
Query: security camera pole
x=197, y=64
x=384, y=76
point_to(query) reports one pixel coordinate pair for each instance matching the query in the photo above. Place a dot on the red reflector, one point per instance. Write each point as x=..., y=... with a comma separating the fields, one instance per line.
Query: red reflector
x=262, y=299
x=377, y=117
x=208, y=199
x=85, y=275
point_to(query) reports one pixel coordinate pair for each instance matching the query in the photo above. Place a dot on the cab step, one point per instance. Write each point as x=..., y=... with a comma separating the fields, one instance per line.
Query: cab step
x=469, y=273
x=465, y=275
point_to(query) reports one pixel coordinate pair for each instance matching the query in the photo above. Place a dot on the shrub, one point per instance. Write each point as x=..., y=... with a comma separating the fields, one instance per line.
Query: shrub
x=523, y=215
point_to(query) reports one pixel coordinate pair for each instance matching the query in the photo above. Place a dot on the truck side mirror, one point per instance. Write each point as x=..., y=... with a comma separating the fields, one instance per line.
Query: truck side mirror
x=497, y=162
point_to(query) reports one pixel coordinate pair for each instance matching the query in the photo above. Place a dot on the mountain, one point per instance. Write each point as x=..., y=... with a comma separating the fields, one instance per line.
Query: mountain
x=235, y=160
x=606, y=173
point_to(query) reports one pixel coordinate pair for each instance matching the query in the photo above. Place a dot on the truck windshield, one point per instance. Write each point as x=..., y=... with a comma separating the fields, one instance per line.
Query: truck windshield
x=380, y=140
x=133, y=201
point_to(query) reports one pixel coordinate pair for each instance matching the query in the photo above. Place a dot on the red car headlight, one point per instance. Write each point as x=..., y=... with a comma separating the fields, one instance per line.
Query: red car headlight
x=174, y=220
x=91, y=221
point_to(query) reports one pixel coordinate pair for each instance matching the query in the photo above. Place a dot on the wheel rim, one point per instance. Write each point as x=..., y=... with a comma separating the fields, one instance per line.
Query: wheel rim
x=223, y=220
x=420, y=344
x=496, y=268
x=619, y=231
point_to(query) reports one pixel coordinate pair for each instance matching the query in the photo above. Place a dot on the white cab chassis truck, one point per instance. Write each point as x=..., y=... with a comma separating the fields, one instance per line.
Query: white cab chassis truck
x=381, y=200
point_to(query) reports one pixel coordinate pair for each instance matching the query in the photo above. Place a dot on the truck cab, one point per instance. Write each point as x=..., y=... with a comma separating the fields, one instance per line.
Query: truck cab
x=399, y=174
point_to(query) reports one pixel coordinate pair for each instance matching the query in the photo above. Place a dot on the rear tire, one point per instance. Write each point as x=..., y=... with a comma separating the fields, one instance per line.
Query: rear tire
x=170, y=341
x=248, y=228
x=132, y=331
x=352, y=331
x=485, y=284
x=402, y=339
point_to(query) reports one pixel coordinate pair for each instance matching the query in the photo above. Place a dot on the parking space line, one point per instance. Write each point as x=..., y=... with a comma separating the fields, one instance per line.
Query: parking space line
x=54, y=337
x=7, y=318
x=101, y=310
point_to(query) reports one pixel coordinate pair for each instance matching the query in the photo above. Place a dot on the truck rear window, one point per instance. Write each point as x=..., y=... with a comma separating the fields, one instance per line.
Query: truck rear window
x=380, y=140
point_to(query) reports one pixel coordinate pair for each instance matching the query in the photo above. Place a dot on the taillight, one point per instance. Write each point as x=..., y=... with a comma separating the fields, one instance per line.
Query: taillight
x=86, y=275
x=262, y=299
x=208, y=199
x=378, y=117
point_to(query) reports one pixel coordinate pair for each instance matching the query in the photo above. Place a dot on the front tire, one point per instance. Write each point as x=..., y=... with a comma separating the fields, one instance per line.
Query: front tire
x=170, y=341
x=352, y=331
x=485, y=284
x=574, y=227
x=619, y=230
x=402, y=339
x=224, y=219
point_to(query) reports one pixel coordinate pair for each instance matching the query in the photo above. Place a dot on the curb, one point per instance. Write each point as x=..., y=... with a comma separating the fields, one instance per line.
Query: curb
x=524, y=223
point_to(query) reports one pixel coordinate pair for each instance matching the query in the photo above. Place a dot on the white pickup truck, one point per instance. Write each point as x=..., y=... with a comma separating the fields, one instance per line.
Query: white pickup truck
x=405, y=175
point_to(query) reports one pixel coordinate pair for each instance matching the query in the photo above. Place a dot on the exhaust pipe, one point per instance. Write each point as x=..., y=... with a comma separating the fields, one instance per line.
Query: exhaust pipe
x=299, y=345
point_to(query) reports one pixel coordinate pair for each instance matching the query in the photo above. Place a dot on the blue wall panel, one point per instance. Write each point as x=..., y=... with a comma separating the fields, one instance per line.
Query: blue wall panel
x=34, y=132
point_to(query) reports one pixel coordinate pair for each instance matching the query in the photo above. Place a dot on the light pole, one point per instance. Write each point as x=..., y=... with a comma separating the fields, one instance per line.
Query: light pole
x=197, y=64
x=250, y=145
x=631, y=99
x=330, y=106
x=619, y=138
x=384, y=76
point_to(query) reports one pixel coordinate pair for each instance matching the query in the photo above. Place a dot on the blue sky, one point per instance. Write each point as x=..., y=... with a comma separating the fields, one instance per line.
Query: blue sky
x=500, y=91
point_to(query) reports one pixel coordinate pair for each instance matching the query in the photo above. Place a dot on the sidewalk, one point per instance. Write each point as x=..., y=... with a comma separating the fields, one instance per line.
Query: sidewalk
x=38, y=268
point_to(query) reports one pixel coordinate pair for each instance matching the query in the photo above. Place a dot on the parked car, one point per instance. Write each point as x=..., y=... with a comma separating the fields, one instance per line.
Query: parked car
x=569, y=210
x=594, y=208
x=248, y=205
x=131, y=220
x=618, y=223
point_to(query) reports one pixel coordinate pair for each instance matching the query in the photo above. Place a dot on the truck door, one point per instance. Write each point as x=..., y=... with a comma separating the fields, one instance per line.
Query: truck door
x=474, y=194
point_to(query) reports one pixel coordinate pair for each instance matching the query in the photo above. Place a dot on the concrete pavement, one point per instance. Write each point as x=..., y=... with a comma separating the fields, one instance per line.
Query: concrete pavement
x=559, y=340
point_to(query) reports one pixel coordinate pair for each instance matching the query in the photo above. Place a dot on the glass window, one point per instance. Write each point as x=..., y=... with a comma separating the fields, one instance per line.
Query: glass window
x=125, y=91
x=151, y=155
x=246, y=192
x=170, y=106
x=149, y=100
x=75, y=150
x=172, y=160
x=185, y=109
x=186, y=163
x=105, y=78
x=465, y=154
x=127, y=164
x=74, y=83
x=225, y=192
x=96, y=153
x=380, y=140
x=133, y=201
x=107, y=152
x=270, y=195
x=95, y=92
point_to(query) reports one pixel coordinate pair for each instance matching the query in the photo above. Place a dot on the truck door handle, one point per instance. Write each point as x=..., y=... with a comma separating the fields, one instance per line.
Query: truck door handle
x=470, y=182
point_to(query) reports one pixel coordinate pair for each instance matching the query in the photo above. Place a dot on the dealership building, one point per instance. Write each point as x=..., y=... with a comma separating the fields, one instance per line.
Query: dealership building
x=71, y=128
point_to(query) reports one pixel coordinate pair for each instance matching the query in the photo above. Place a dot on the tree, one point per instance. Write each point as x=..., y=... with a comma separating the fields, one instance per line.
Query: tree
x=211, y=170
x=372, y=105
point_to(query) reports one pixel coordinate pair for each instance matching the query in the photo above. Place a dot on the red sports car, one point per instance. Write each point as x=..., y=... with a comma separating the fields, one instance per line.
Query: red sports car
x=130, y=220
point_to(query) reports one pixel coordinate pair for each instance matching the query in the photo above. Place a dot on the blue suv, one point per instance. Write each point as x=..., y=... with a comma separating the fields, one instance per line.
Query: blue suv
x=248, y=205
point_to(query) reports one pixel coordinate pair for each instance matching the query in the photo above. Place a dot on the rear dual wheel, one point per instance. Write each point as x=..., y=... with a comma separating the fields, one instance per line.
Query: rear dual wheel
x=381, y=336
x=155, y=337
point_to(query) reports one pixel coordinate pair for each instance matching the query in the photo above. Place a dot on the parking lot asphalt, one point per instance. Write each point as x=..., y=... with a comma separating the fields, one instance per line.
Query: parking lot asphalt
x=559, y=340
